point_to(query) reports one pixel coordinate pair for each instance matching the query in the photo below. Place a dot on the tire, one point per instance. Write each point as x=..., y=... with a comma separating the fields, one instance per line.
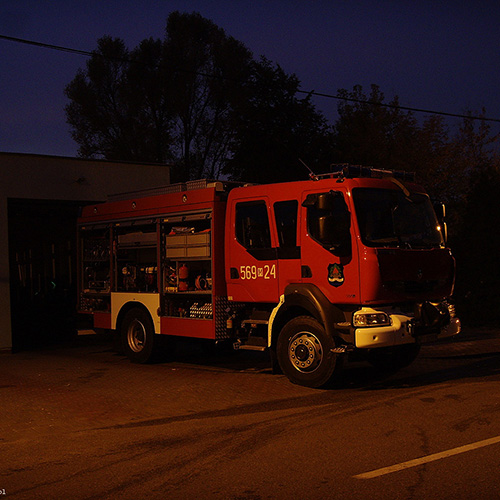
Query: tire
x=393, y=358
x=304, y=353
x=138, y=336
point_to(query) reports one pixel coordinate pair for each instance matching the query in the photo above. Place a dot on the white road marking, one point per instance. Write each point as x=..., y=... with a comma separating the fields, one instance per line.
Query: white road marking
x=428, y=458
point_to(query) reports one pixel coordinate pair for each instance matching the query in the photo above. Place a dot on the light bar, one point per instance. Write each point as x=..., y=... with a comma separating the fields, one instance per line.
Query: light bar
x=349, y=171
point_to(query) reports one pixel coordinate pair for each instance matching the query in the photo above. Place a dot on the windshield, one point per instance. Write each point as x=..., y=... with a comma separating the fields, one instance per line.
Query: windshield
x=389, y=218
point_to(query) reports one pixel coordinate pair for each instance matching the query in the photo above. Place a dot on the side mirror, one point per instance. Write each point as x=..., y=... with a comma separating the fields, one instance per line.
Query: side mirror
x=326, y=201
x=440, y=210
x=322, y=201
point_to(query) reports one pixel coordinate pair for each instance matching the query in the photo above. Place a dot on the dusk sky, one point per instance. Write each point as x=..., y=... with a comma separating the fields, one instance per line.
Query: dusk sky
x=433, y=54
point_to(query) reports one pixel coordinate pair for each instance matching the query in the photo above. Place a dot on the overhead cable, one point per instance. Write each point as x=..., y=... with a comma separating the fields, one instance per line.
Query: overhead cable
x=308, y=92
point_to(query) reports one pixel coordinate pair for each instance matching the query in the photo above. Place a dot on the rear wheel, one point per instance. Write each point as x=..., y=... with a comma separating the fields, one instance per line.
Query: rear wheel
x=138, y=336
x=305, y=353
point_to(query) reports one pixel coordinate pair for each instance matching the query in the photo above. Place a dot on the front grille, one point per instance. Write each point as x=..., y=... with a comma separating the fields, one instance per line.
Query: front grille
x=411, y=287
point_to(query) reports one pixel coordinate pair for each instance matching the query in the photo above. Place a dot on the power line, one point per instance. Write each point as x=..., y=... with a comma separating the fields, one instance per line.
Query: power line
x=308, y=92
x=46, y=45
x=396, y=106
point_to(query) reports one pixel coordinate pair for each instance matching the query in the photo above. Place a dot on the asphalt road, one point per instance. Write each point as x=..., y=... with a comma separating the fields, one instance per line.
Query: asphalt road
x=81, y=422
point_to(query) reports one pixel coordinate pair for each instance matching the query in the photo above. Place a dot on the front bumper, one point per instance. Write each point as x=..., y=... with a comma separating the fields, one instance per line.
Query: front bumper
x=402, y=330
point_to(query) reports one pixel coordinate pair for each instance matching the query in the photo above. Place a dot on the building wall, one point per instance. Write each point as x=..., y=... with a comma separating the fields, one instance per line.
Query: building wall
x=35, y=177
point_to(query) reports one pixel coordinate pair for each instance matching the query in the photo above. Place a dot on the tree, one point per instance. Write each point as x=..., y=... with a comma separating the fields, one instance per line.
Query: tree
x=451, y=163
x=149, y=91
x=115, y=113
x=431, y=155
x=475, y=148
x=198, y=100
x=208, y=69
x=275, y=129
x=164, y=101
x=369, y=133
x=476, y=247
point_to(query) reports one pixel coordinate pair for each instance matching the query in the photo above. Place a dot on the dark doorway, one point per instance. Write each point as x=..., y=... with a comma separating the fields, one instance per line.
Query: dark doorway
x=42, y=258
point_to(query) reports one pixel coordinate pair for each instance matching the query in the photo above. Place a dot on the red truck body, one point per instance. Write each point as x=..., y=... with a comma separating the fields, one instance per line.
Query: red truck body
x=313, y=270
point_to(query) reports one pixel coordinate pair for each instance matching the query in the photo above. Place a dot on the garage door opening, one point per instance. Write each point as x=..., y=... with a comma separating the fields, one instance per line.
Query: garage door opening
x=42, y=262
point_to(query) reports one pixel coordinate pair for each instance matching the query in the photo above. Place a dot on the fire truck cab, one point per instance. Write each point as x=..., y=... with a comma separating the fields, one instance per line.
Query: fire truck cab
x=352, y=262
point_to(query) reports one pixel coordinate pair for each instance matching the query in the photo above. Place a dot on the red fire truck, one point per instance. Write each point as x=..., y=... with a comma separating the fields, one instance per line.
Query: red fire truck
x=343, y=264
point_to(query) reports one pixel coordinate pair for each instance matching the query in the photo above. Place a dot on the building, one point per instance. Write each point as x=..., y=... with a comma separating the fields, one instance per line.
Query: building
x=40, y=198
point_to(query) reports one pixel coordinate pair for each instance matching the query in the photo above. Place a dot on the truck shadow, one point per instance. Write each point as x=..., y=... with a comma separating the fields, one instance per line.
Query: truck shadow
x=424, y=372
x=428, y=369
x=435, y=364
x=357, y=379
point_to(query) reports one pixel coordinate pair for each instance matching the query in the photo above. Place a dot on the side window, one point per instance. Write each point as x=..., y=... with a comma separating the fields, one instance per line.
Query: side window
x=285, y=213
x=252, y=225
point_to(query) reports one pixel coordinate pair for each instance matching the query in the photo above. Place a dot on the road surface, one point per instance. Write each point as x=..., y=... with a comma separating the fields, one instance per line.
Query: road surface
x=82, y=422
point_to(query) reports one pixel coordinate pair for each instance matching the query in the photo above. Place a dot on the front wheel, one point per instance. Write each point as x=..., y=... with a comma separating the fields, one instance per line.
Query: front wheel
x=138, y=336
x=305, y=353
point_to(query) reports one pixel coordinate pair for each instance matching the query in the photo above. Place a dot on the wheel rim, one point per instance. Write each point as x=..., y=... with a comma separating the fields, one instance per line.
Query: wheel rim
x=305, y=352
x=136, y=336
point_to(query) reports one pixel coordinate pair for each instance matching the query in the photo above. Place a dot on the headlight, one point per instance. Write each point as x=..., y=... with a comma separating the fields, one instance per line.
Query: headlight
x=362, y=318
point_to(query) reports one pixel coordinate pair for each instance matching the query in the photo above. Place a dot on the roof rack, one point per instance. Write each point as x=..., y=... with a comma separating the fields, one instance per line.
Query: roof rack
x=176, y=188
x=347, y=171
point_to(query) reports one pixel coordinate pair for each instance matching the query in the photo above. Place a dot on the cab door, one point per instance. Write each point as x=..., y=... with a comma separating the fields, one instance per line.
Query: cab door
x=251, y=252
x=286, y=214
x=328, y=247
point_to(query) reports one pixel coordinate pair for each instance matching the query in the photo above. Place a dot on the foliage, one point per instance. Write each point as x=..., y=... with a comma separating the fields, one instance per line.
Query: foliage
x=275, y=129
x=208, y=70
x=198, y=100
x=476, y=248
x=117, y=110
x=369, y=132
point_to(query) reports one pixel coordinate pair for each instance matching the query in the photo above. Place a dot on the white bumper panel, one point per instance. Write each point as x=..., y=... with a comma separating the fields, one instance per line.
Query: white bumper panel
x=384, y=336
x=398, y=333
x=149, y=300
